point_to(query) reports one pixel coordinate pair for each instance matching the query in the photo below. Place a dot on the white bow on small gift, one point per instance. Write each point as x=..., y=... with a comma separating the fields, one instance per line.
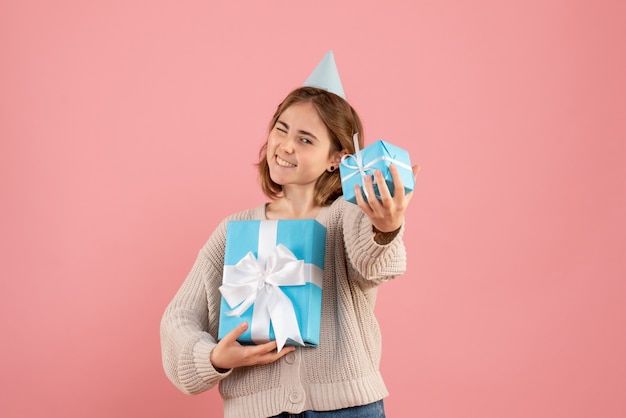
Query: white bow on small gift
x=366, y=169
x=251, y=282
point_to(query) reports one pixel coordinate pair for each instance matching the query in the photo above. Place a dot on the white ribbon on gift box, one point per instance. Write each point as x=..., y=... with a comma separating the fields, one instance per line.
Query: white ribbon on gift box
x=256, y=282
x=363, y=168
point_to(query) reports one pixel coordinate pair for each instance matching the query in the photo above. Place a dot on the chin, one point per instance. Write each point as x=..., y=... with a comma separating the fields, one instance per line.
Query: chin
x=274, y=179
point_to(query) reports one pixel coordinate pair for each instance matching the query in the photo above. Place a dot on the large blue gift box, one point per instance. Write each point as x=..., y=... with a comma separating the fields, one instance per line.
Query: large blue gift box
x=273, y=273
x=377, y=156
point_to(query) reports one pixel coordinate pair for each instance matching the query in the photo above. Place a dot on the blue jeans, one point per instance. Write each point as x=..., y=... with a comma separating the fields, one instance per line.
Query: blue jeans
x=372, y=410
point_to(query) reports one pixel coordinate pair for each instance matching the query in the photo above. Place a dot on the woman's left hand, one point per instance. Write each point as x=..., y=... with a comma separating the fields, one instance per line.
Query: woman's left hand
x=386, y=214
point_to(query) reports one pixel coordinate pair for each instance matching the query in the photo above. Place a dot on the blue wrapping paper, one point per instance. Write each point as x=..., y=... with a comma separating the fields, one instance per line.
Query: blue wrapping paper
x=377, y=156
x=257, y=242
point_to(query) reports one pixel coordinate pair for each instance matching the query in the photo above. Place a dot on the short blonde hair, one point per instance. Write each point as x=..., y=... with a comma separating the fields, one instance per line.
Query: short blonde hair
x=342, y=122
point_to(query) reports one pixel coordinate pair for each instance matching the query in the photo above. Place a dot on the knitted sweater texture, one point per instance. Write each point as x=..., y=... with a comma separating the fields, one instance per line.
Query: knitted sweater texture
x=342, y=371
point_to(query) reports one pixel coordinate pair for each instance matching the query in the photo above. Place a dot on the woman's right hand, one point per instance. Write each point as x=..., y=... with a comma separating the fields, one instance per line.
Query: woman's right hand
x=228, y=353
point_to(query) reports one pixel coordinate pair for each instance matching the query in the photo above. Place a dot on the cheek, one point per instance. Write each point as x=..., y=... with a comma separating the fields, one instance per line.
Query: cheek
x=275, y=138
x=271, y=145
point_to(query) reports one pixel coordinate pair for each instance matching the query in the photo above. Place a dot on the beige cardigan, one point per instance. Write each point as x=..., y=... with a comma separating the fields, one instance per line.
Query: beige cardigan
x=342, y=372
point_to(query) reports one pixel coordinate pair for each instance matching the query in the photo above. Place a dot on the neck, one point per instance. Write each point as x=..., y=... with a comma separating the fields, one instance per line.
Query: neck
x=293, y=205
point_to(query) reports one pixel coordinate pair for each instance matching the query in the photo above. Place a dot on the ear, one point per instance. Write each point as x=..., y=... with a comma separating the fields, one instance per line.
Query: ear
x=336, y=158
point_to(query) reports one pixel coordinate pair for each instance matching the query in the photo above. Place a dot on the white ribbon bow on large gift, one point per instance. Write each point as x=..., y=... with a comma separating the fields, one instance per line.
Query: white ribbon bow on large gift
x=253, y=282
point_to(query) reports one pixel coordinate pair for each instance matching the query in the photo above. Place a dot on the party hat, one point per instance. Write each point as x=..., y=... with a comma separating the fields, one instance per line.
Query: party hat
x=325, y=76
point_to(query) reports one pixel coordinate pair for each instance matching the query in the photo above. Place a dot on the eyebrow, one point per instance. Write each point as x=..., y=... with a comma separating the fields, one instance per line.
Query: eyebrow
x=300, y=131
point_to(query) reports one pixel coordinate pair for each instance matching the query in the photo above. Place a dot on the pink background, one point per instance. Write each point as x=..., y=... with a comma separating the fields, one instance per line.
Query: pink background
x=128, y=129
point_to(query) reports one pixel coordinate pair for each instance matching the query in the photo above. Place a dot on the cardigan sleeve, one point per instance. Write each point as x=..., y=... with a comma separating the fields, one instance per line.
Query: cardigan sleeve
x=189, y=323
x=369, y=262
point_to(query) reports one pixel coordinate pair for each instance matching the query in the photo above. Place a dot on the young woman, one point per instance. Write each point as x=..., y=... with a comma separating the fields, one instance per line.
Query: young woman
x=310, y=131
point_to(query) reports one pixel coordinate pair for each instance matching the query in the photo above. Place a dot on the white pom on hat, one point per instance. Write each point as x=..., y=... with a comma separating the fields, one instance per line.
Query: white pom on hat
x=325, y=76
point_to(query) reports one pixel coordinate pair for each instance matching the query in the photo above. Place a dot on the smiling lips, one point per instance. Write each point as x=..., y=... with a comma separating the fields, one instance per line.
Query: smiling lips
x=284, y=163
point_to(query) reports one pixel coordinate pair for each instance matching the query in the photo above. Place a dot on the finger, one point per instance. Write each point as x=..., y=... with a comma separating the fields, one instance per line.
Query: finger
x=398, y=184
x=360, y=201
x=270, y=348
x=408, y=197
x=416, y=170
x=265, y=347
x=277, y=355
x=267, y=353
x=372, y=200
x=235, y=333
x=383, y=189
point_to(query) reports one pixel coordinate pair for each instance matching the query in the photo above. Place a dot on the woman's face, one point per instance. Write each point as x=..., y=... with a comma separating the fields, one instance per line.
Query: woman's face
x=298, y=147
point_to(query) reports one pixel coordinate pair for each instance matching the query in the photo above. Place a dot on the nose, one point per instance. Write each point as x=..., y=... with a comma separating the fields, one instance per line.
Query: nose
x=287, y=144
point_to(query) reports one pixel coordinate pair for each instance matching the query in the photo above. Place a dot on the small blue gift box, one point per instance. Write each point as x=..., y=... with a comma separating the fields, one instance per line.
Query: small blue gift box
x=377, y=156
x=273, y=273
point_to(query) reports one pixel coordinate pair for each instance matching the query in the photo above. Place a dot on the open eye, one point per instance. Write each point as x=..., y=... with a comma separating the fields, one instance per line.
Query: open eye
x=306, y=140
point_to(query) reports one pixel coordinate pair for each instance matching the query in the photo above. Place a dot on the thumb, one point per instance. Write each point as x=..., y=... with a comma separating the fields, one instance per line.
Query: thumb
x=236, y=333
x=416, y=169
